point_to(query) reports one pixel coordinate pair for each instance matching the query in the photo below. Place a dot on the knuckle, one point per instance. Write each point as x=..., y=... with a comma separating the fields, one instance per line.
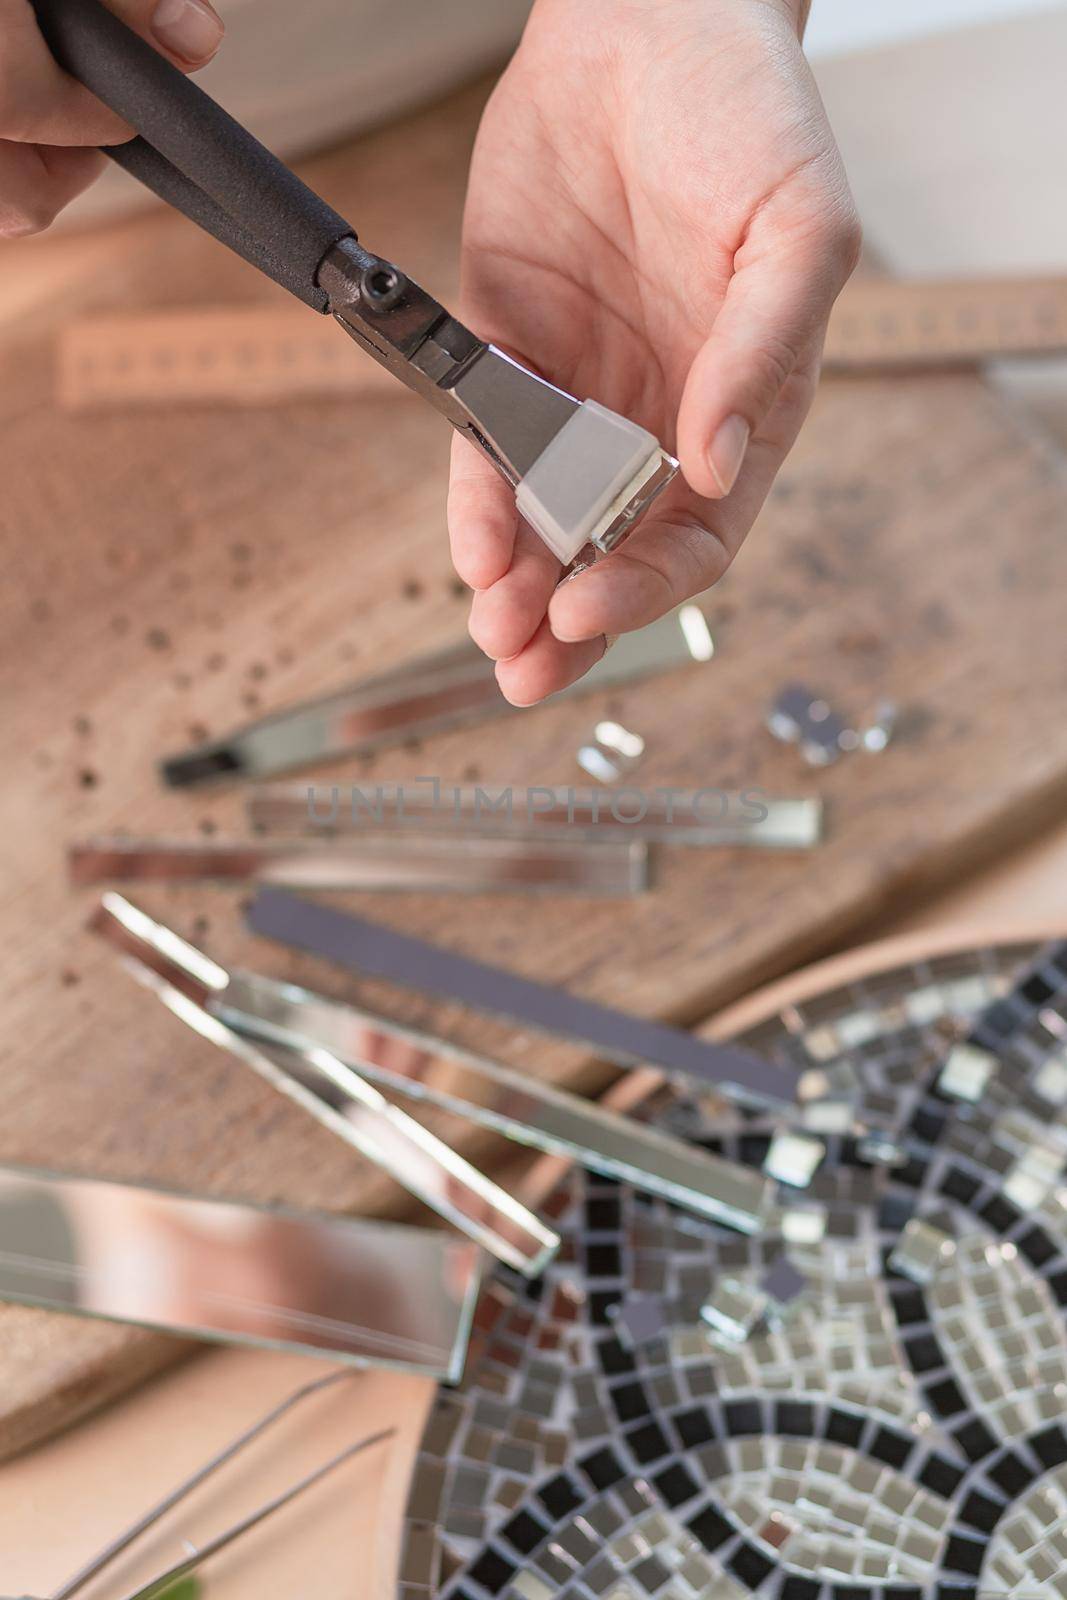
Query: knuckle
x=842, y=234
x=701, y=559
x=17, y=225
x=849, y=240
x=20, y=221
x=778, y=357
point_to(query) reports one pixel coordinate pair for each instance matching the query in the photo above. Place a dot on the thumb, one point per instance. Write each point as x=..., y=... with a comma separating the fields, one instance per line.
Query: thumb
x=773, y=316
x=189, y=31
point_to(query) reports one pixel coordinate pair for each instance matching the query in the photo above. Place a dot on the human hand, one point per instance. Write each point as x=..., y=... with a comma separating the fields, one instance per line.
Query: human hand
x=657, y=219
x=50, y=125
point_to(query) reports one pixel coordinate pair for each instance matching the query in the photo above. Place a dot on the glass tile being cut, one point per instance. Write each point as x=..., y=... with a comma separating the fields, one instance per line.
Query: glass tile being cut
x=898, y=1435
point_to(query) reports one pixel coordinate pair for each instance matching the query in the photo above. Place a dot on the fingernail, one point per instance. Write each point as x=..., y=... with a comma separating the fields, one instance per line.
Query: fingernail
x=188, y=28
x=727, y=452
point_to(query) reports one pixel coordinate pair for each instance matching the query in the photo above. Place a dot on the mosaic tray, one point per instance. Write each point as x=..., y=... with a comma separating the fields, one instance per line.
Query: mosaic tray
x=868, y=1400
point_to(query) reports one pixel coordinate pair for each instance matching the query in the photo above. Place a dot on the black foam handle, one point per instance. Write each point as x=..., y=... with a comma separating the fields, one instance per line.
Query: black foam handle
x=143, y=162
x=193, y=153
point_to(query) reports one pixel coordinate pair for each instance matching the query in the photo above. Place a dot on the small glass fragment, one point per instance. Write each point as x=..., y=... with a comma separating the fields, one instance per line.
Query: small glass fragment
x=733, y=1310
x=793, y=1159
x=639, y=1319
x=921, y=1250
x=966, y=1073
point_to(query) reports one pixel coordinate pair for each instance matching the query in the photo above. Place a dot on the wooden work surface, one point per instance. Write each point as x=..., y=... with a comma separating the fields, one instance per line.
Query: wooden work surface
x=172, y=572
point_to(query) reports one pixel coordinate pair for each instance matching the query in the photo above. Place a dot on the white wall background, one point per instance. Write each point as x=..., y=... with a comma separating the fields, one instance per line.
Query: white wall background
x=839, y=25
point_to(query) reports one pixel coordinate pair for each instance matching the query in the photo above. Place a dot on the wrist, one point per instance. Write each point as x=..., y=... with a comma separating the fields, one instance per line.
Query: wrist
x=797, y=11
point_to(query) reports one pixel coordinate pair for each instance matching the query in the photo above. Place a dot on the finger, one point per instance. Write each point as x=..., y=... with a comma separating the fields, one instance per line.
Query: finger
x=188, y=31
x=482, y=519
x=545, y=666
x=658, y=567
x=42, y=104
x=776, y=308
x=36, y=182
x=690, y=543
x=505, y=617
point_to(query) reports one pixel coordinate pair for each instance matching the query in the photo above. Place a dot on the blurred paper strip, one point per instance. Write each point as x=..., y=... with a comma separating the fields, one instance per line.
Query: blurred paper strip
x=426, y=695
x=367, y=1292
x=470, y=865
x=681, y=817
x=333, y=1093
x=515, y=1104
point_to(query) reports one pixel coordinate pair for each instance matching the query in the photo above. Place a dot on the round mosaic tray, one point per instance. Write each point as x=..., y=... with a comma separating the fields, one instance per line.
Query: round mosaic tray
x=868, y=1399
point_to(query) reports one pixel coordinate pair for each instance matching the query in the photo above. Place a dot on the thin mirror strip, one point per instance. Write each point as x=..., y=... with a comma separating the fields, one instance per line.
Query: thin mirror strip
x=521, y=1107
x=427, y=695
x=420, y=1162
x=370, y=949
x=467, y=865
x=678, y=817
x=365, y=1291
x=337, y=1096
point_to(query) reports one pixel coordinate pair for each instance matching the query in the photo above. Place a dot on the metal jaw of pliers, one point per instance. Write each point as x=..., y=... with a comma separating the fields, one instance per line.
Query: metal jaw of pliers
x=582, y=475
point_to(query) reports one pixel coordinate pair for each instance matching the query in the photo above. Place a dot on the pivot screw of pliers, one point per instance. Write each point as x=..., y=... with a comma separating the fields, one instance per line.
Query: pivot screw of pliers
x=382, y=286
